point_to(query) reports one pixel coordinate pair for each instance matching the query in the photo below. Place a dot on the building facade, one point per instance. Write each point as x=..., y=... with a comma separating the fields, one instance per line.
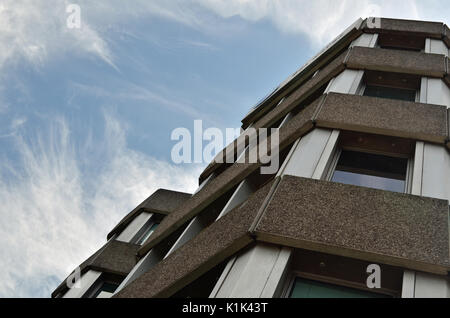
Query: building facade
x=359, y=206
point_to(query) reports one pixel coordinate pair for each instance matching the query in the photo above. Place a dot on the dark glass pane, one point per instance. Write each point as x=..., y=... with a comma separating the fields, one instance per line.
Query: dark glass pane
x=373, y=171
x=304, y=288
x=401, y=42
x=401, y=48
x=390, y=92
x=147, y=233
x=106, y=287
x=369, y=181
x=204, y=285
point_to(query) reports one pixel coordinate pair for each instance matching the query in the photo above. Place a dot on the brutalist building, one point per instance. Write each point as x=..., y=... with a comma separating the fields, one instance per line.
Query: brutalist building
x=359, y=206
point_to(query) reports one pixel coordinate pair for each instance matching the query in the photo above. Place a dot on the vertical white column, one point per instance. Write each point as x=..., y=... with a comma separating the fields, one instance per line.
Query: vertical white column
x=347, y=82
x=435, y=184
x=409, y=277
x=434, y=91
x=134, y=227
x=243, y=191
x=254, y=274
x=366, y=40
x=436, y=172
x=307, y=154
x=409, y=284
x=436, y=47
x=431, y=179
x=416, y=187
x=431, y=286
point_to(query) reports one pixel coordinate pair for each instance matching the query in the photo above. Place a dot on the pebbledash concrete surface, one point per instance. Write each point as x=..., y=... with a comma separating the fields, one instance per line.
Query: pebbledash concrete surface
x=381, y=91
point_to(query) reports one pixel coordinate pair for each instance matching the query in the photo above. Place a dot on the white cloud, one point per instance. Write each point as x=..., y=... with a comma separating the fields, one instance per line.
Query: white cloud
x=36, y=30
x=17, y=123
x=130, y=91
x=199, y=44
x=55, y=213
x=320, y=20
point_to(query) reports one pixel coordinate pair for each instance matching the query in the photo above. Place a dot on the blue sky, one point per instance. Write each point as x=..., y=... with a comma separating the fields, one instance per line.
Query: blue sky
x=86, y=115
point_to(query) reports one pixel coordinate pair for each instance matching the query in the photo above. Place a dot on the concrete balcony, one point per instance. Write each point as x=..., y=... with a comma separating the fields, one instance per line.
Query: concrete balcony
x=368, y=224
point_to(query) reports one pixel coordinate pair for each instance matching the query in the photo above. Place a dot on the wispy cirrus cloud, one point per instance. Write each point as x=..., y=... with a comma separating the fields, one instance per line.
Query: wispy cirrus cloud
x=56, y=211
x=130, y=91
x=36, y=31
x=319, y=20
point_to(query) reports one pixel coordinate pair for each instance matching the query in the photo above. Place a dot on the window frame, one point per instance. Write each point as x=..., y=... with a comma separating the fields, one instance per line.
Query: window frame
x=140, y=240
x=363, y=85
x=108, y=278
x=154, y=219
x=401, y=48
x=295, y=271
x=337, y=154
x=294, y=274
x=416, y=98
x=331, y=167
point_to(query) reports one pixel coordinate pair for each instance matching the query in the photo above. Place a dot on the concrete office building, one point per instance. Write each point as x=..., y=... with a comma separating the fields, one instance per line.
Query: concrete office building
x=364, y=179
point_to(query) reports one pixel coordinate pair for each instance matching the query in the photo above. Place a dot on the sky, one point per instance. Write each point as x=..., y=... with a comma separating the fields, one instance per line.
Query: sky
x=86, y=114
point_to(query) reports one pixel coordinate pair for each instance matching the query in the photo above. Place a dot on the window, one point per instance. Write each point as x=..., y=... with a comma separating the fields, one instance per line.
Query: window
x=373, y=161
x=204, y=285
x=401, y=42
x=304, y=288
x=391, y=85
x=149, y=229
x=389, y=92
x=370, y=170
x=318, y=275
x=146, y=230
x=104, y=286
x=106, y=290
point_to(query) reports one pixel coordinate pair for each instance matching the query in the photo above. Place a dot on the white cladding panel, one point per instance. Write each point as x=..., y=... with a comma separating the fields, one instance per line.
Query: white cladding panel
x=434, y=91
x=307, y=154
x=431, y=286
x=366, y=40
x=436, y=47
x=436, y=172
x=133, y=228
